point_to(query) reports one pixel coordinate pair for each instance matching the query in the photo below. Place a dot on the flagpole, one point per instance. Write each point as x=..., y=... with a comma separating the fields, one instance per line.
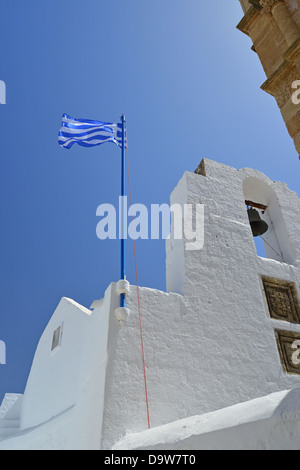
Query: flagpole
x=122, y=296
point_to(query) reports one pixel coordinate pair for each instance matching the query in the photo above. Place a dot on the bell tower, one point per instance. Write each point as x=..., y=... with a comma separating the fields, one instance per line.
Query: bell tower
x=274, y=28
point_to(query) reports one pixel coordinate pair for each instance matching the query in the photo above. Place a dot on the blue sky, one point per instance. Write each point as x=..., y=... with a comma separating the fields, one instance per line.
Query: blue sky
x=190, y=87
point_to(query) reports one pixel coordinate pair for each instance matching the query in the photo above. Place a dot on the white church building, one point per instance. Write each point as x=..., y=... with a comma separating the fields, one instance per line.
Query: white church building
x=221, y=345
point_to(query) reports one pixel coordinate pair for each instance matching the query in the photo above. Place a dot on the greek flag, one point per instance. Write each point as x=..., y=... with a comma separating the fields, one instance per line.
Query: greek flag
x=88, y=133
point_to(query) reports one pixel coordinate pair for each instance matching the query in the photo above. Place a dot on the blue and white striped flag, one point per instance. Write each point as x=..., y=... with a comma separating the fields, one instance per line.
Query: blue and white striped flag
x=88, y=133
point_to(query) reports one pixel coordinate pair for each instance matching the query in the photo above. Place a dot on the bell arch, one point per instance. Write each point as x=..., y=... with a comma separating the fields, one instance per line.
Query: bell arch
x=276, y=239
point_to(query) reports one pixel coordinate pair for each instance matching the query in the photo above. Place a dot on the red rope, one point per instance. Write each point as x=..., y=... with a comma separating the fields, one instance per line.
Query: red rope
x=138, y=296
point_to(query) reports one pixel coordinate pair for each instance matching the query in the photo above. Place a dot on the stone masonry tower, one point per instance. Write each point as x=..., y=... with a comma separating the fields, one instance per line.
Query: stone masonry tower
x=274, y=28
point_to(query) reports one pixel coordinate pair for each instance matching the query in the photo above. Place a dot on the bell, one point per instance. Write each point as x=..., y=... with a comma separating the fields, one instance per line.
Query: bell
x=258, y=226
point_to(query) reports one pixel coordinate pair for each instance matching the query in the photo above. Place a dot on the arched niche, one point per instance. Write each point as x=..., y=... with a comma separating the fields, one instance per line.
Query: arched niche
x=276, y=240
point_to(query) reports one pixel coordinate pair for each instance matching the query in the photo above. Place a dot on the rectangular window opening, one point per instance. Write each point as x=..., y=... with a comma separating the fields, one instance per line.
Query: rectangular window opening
x=56, y=339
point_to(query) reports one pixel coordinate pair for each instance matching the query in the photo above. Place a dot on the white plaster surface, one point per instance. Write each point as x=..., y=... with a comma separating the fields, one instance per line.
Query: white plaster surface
x=62, y=405
x=218, y=335
x=267, y=423
x=209, y=341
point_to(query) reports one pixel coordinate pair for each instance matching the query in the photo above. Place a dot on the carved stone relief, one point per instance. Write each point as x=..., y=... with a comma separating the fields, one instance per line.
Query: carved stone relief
x=268, y=4
x=282, y=300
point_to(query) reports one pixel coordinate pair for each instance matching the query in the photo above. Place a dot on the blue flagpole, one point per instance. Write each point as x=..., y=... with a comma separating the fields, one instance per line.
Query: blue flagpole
x=122, y=296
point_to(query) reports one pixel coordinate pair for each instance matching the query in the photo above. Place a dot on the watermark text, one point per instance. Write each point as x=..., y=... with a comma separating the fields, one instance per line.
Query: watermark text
x=296, y=354
x=164, y=222
x=296, y=94
x=2, y=92
x=2, y=353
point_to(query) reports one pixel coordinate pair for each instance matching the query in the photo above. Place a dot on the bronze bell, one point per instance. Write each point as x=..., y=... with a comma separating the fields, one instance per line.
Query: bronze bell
x=258, y=226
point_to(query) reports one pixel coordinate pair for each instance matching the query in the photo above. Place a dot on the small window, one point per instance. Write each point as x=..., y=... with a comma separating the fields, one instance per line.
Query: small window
x=56, y=340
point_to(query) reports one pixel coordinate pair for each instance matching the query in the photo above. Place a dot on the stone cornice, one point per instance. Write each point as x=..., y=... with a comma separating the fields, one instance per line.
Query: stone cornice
x=246, y=22
x=293, y=51
x=284, y=68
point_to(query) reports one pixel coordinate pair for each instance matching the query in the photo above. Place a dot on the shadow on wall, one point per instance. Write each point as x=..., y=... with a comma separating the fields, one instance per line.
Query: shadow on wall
x=290, y=406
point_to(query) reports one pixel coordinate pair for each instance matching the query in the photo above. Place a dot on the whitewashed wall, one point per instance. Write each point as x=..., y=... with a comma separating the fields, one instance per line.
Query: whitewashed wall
x=63, y=401
x=209, y=341
x=215, y=345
